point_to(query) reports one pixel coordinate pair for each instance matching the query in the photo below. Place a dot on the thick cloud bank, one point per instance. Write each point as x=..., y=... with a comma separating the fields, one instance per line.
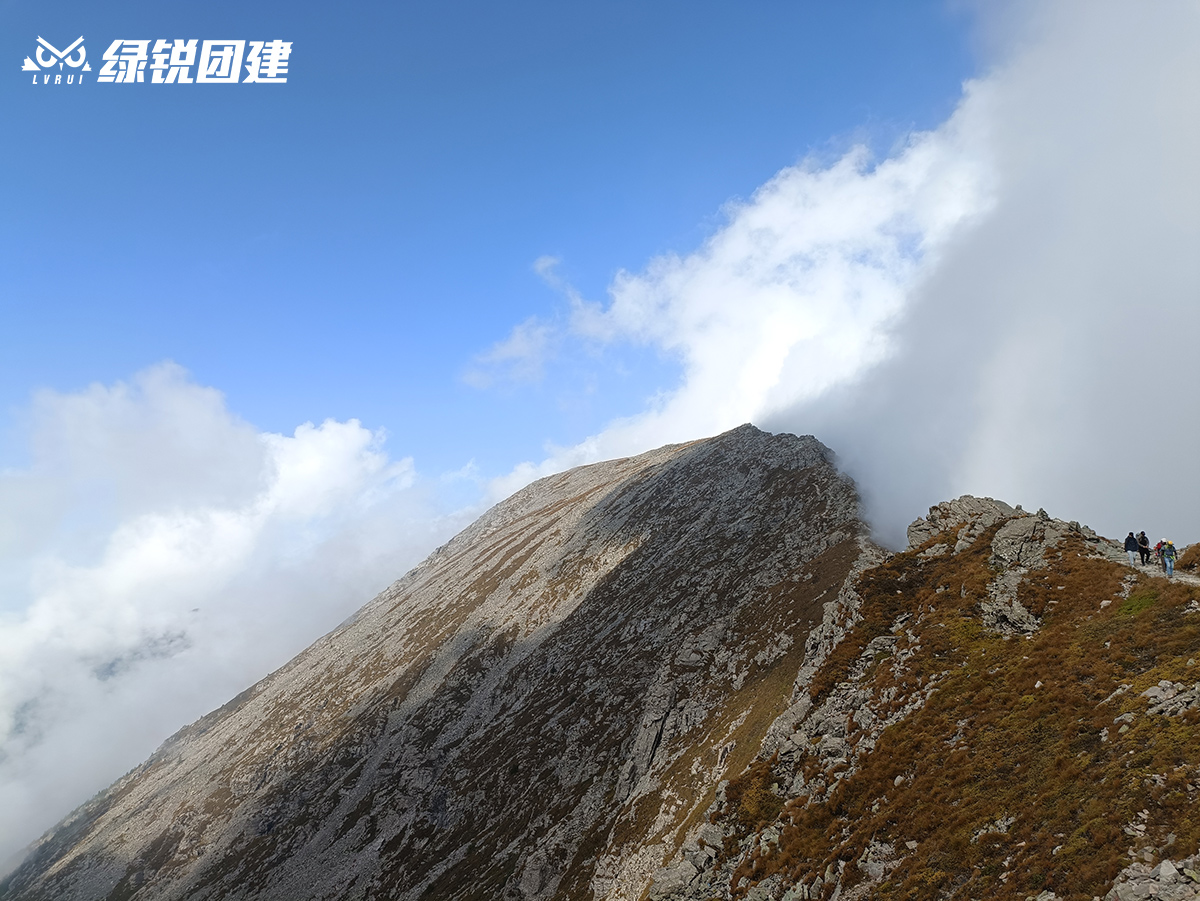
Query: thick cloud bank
x=1008, y=305
x=1050, y=357
x=158, y=555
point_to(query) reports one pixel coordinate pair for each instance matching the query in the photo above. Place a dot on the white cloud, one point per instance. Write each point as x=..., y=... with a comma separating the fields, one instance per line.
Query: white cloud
x=794, y=294
x=185, y=556
x=1005, y=306
x=521, y=357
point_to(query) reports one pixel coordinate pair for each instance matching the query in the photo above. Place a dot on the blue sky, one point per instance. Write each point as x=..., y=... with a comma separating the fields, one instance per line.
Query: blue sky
x=344, y=245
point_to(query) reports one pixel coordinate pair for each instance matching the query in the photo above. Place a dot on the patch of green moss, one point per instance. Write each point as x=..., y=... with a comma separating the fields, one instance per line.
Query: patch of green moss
x=1138, y=602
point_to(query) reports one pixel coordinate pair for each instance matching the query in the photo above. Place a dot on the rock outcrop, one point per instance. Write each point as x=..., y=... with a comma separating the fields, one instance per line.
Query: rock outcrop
x=1166, y=881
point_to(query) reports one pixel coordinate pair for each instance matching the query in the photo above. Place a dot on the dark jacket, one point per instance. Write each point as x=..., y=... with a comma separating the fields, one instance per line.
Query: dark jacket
x=1131, y=543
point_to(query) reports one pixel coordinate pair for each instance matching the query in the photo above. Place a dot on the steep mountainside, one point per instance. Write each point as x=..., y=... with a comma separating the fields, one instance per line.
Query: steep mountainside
x=542, y=709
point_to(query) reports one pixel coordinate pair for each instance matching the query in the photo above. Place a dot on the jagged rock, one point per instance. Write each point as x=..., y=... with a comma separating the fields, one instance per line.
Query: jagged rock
x=1019, y=546
x=670, y=882
x=767, y=890
x=877, y=861
x=1172, y=698
x=999, y=826
x=971, y=515
x=1002, y=611
x=1169, y=881
x=1024, y=541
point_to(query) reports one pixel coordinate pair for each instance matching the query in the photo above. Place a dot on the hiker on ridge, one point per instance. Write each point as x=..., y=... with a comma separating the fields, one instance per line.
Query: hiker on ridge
x=1131, y=548
x=1169, y=559
x=1144, y=548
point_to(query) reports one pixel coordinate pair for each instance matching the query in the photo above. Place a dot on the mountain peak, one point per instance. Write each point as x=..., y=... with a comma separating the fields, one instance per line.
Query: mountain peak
x=499, y=722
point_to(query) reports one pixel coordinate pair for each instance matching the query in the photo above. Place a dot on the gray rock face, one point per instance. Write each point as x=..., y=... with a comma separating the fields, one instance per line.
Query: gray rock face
x=1169, y=881
x=541, y=709
x=1020, y=545
x=1173, y=698
x=970, y=514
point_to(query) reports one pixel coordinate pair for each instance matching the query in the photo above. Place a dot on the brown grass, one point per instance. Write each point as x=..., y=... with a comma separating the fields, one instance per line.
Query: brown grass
x=1190, y=559
x=1027, y=750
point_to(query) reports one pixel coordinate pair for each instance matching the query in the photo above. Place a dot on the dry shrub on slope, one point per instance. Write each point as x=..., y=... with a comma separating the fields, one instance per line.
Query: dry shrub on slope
x=1190, y=559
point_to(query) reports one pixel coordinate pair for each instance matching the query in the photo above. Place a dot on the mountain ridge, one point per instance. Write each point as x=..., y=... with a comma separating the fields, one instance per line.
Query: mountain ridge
x=691, y=675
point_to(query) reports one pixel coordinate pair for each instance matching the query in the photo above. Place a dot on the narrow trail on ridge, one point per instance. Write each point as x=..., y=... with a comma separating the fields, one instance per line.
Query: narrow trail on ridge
x=1112, y=550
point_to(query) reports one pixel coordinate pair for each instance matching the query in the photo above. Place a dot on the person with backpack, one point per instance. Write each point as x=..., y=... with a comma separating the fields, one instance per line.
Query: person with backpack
x=1144, y=548
x=1131, y=549
x=1169, y=559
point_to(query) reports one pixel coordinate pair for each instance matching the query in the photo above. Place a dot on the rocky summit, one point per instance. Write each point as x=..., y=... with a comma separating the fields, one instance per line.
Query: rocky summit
x=689, y=676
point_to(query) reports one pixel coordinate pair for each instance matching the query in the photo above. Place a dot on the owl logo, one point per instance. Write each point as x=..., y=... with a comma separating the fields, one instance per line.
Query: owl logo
x=47, y=56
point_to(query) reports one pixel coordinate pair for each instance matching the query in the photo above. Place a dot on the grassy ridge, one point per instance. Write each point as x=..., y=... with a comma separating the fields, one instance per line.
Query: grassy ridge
x=1020, y=773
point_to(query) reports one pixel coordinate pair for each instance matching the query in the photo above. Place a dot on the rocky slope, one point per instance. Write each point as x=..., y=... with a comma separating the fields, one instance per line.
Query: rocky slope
x=1013, y=715
x=688, y=676
x=541, y=709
